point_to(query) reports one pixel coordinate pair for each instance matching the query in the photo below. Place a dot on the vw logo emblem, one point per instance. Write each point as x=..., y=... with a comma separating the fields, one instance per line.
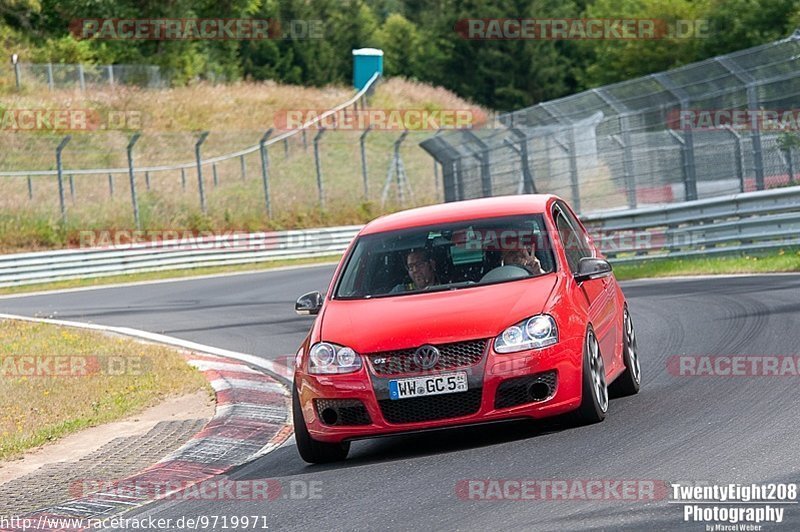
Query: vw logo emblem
x=426, y=356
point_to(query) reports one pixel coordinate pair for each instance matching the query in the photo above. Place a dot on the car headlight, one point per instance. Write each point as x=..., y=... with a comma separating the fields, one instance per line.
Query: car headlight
x=326, y=358
x=533, y=333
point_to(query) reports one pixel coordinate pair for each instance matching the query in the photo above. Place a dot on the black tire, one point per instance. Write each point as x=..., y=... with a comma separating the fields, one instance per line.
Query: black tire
x=594, y=396
x=631, y=380
x=311, y=450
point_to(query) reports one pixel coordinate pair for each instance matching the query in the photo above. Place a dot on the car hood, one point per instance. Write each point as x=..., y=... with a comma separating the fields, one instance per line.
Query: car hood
x=401, y=322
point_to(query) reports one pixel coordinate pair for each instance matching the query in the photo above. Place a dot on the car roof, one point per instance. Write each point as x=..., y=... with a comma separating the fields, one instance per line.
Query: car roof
x=457, y=211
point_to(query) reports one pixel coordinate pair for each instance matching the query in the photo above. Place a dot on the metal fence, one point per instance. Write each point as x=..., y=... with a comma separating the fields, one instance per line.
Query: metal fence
x=81, y=76
x=625, y=145
x=335, y=168
x=749, y=222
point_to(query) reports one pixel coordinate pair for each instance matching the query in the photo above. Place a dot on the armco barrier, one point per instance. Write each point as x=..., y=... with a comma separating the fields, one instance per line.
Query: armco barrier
x=752, y=221
x=748, y=222
x=30, y=268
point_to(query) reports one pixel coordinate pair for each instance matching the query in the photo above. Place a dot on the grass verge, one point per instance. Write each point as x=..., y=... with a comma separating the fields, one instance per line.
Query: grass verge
x=56, y=380
x=787, y=260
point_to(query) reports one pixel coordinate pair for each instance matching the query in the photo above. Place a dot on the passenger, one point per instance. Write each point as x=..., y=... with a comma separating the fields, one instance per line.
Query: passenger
x=522, y=255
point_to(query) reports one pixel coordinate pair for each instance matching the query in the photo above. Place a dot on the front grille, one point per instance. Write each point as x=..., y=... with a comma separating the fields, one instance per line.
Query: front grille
x=431, y=408
x=451, y=356
x=347, y=412
x=514, y=392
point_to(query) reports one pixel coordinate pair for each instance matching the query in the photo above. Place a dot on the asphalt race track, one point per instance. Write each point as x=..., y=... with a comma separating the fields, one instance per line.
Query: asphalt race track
x=678, y=429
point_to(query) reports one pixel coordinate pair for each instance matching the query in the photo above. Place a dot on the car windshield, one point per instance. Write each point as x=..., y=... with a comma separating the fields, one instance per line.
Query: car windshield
x=446, y=257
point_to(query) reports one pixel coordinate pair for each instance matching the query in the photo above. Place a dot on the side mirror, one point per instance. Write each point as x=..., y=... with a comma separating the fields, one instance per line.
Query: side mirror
x=592, y=268
x=309, y=303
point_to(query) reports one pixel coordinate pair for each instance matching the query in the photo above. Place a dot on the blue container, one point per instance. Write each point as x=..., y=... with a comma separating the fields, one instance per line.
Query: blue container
x=366, y=62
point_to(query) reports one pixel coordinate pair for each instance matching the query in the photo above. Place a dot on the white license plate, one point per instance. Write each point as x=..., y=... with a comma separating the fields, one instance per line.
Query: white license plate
x=431, y=385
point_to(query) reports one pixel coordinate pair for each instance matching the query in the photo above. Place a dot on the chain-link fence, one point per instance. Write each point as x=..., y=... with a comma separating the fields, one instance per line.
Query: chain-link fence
x=720, y=126
x=81, y=76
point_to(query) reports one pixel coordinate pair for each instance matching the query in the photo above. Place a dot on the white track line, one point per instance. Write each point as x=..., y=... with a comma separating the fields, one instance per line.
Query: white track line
x=280, y=370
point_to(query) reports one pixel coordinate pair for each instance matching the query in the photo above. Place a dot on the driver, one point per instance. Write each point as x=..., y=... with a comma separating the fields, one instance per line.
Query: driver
x=522, y=255
x=421, y=269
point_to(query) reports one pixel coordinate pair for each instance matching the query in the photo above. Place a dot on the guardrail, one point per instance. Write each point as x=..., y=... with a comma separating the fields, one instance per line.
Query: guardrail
x=181, y=253
x=753, y=221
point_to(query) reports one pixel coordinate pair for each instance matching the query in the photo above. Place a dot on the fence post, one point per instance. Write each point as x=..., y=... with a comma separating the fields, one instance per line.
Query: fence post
x=147, y=180
x=362, y=140
x=50, y=76
x=436, y=171
x=243, y=166
x=60, y=172
x=72, y=188
x=110, y=69
x=573, y=170
x=689, y=194
x=528, y=184
x=305, y=140
x=111, y=185
x=199, y=143
x=627, y=160
x=262, y=147
x=183, y=179
x=789, y=164
x=16, y=73
x=399, y=170
x=483, y=157
x=214, y=174
x=755, y=135
x=286, y=148
x=318, y=166
x=132, y=180
x=81, y=77
x=737, y=156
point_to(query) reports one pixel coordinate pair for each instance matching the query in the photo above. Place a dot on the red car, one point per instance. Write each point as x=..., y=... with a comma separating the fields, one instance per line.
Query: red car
x=461, y=313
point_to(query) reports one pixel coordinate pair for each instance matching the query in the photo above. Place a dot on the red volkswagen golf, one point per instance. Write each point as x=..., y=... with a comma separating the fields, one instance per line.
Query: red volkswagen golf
x=468, y=312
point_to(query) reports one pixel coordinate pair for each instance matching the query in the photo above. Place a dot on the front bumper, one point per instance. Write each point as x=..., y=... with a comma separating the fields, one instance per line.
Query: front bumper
x=485, y=378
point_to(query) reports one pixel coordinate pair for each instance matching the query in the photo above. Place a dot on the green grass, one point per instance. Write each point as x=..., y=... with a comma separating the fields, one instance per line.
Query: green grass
x=787, y=260
x=123, y=377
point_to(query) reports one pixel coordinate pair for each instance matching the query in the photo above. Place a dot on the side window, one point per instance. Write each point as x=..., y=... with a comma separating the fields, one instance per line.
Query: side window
x=583, y=242
x=575, y=246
